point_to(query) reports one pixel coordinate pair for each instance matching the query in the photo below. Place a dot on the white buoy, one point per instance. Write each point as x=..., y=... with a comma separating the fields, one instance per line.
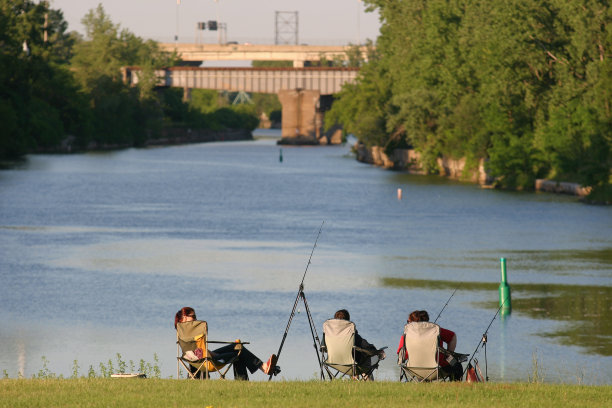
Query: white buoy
x=399, y=193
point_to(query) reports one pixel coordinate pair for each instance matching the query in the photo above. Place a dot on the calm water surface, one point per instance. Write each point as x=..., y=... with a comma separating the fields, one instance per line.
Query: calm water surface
x=98, y=251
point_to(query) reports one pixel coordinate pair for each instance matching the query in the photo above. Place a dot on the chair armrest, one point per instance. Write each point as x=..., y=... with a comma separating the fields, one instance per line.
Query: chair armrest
x=451, y=355
x=370, y=352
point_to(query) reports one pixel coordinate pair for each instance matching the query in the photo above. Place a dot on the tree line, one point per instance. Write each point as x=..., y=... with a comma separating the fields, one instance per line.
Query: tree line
x=58, y=86
x=525, y=85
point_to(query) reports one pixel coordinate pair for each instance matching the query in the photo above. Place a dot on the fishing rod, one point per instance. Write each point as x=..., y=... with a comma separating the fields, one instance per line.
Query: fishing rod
x=310, y=258
x=301, y=295
x=446, y=304
x=483, y=339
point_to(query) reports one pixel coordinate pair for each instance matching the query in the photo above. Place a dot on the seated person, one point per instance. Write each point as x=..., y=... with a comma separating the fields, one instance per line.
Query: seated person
x=361, y=358
x=245, y=360
x=455, y=371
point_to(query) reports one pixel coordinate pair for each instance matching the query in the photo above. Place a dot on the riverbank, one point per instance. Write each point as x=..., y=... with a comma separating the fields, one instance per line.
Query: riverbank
x=409, y=160
x=168, y=136
x=188, y=393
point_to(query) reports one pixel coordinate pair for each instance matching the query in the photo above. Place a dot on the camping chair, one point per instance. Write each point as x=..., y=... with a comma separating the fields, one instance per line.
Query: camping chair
x=192, y=351
x=339, y=352
x=421, y=346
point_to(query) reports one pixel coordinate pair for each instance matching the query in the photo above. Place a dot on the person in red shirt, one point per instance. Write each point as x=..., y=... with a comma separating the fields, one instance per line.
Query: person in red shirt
x=446, y=336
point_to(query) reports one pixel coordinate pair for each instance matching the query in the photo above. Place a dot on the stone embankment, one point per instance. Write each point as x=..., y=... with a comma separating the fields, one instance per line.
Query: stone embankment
x=410, y=160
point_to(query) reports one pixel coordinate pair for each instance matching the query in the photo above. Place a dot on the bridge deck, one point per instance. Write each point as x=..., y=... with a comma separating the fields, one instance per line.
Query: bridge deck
x=228, y=52
x=264, y=80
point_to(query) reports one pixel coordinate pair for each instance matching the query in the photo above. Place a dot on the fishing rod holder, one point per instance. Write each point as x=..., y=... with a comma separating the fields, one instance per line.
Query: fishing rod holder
x=484, y=345
x=313, y=330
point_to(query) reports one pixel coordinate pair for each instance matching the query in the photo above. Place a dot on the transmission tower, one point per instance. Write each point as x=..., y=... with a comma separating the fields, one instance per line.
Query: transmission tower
x=286, y=27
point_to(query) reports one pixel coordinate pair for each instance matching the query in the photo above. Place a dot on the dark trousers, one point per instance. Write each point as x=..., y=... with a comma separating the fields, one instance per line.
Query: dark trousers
x=455, y=372
x=246, y=360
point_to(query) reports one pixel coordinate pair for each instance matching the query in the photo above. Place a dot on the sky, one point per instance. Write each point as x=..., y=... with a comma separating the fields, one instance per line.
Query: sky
x=320, y=22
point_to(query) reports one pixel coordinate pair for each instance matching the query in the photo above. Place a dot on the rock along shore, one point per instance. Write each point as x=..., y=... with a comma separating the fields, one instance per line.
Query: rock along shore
x=410, y=160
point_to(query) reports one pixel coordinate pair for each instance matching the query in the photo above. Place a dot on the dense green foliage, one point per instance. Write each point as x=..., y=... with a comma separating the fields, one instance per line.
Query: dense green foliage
x=57, y=88
x=39, y=101
x=122, y=114
x=271, y=64
x=207, y=109
x=524, y=84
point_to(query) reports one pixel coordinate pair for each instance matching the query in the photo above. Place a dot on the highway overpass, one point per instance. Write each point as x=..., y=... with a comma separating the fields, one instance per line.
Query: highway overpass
x=299, y=54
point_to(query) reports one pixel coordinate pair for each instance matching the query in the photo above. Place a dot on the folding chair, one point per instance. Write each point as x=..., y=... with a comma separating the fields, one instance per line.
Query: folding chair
x=192, y=351
x=339, y=352
x=418, y=359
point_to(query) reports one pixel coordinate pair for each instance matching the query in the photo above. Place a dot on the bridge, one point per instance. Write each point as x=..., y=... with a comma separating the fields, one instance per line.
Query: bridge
x=299, y=54
x=305, y=93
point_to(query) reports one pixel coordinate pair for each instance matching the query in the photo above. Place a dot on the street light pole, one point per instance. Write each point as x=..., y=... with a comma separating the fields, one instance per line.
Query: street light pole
x=358, y=22
x=178, y=3
x=218, y=31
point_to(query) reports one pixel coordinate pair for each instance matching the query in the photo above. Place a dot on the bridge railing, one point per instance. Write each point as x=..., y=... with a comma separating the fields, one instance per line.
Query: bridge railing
x=325, y=80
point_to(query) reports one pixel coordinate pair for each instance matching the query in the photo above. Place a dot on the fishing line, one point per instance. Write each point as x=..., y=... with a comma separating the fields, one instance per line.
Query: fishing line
x=446, y=304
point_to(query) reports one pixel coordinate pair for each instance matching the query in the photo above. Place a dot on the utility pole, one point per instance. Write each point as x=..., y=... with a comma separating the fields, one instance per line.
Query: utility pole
x=358, y=22
x=178, y=3
x=218, y=31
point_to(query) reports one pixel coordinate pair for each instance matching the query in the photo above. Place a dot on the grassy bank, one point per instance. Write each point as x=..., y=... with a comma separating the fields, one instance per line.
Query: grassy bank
x=186, y=393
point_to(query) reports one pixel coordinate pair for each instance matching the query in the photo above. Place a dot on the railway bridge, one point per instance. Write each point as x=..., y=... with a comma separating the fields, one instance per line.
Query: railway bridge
x=305, y=93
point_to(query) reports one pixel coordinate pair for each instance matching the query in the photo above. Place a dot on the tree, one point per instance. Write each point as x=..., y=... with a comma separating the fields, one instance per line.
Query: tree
x=39, y=97
x=524, y=84
x=123, y=115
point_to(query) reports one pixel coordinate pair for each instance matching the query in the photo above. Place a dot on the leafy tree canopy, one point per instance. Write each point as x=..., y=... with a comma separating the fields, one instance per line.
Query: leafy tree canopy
x=524, y=84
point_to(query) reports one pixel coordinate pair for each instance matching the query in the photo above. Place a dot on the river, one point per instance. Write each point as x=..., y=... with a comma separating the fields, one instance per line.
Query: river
x=99, y=250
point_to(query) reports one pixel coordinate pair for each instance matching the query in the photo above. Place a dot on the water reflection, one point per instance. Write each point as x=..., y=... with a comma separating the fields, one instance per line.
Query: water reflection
x=586, y=309
x=21, y=358
x=594, y=262
x=502, y=341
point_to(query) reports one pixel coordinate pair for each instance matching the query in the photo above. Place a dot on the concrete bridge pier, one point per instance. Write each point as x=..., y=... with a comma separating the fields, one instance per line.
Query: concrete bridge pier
x=304, y=118
x=300, y=122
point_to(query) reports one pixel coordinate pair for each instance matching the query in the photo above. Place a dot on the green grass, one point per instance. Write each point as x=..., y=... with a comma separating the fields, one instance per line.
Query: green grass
x=104, y=392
